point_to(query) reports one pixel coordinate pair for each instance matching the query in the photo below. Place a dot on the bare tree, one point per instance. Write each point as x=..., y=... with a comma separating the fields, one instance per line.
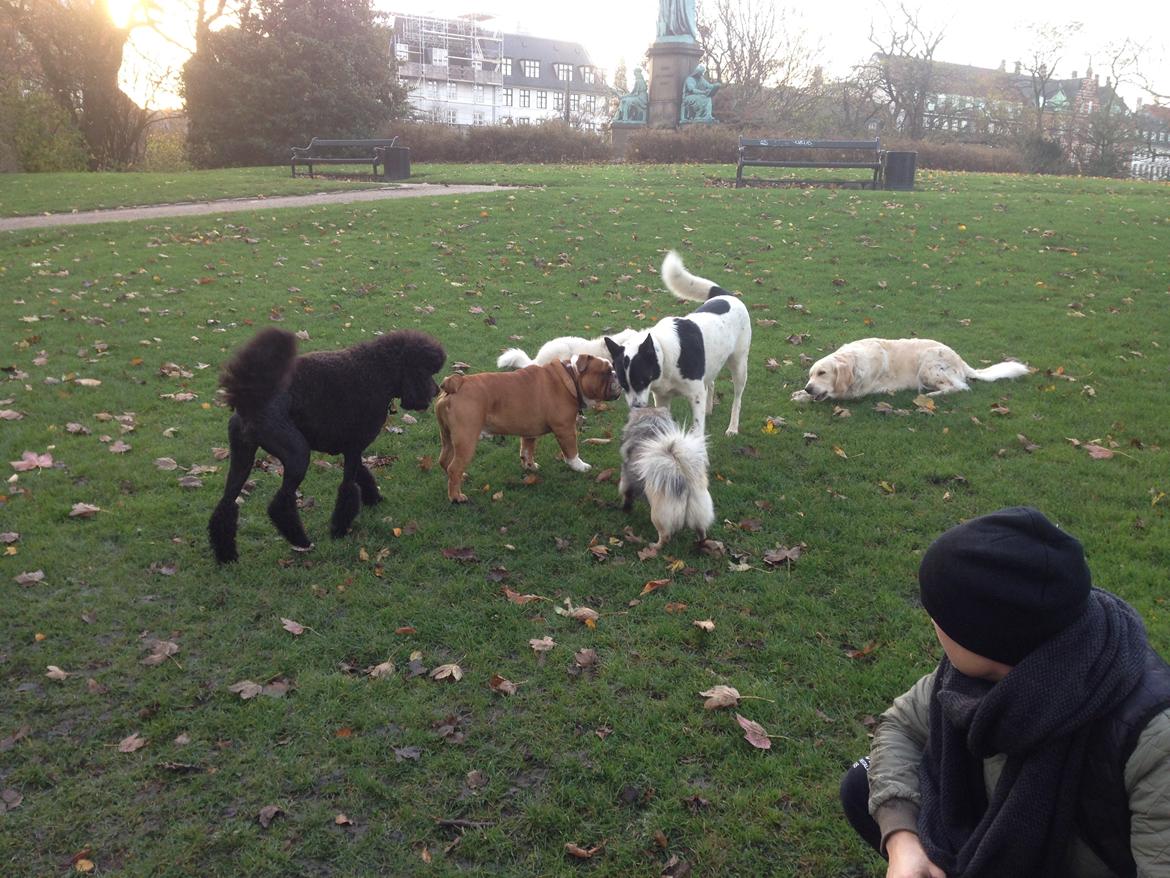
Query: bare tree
x=1049, y=43
x=903, y=66
x=1102, y=137
x=763, y=54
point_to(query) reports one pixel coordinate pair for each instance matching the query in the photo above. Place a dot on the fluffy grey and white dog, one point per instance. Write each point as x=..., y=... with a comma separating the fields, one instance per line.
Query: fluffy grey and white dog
x=669, y=466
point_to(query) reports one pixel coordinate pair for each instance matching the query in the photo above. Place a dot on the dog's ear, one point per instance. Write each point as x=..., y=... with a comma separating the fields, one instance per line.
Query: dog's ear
x=615, y=349
x=646, y=348
x=843, y=374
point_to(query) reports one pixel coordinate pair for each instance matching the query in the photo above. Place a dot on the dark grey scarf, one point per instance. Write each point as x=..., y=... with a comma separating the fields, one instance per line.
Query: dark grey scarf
x=1040, y=715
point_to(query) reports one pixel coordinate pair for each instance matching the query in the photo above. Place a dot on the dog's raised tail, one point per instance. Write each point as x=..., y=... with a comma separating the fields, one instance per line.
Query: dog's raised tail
x=260, y=369
x=673, y=469
x=1006, y=369
x=685, y=285
x=513, y=358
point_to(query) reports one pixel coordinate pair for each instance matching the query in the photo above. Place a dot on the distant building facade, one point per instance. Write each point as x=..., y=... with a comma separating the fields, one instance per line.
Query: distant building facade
x=464, y=72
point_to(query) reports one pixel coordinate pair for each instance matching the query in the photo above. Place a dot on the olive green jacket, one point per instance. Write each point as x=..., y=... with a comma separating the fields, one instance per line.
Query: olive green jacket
x=898, y=744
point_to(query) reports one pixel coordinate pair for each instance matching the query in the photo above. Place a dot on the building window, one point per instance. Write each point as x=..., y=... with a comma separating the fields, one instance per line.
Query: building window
x=506, y=97
x=522, y=120
x=525, y=98
x=432, y=89
x=531, y=68
x=439, y=57
x=587, y=75
x=506, y=66
x=477, y=94
x=574, y=103
x=477, y=117
x=564, y=72
x=401, y=52
x=542, y=100
x=558, y=101
x=450, y=117
x=452, y=91
x=591, y=103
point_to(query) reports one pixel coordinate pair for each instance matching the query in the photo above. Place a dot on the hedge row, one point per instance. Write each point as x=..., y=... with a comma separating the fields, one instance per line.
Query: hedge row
x=554, y=142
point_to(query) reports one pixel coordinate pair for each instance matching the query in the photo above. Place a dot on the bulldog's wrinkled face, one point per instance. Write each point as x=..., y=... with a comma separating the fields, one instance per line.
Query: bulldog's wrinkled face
x=637, y=368
x=825, y=377
x=596, y=377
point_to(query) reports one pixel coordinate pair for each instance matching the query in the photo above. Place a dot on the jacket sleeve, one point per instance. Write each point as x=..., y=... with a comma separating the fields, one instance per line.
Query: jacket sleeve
x=898, y=744
x=1147, y=778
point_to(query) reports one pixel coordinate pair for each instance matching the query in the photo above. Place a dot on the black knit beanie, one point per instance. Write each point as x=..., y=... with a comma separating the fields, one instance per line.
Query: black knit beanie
x=1003, y=583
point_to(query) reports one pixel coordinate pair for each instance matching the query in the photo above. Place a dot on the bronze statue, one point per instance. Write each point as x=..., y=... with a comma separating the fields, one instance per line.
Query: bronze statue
x=697, y=94
x=676, y=20
x=633, y=106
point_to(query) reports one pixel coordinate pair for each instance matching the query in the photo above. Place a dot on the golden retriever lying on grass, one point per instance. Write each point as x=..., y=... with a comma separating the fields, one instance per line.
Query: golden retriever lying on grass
x=884, y=365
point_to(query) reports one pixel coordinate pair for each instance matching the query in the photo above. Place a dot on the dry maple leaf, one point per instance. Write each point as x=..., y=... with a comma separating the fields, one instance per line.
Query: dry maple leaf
x=653, y=585
x=246, y=689
x=502, y=685
x=55, y=673
x=720, y=696
x=165, y=464
x=583, y=853
x=863, y=652
x=118, y=447
x=754, y=733
x=383, y=670
x=292, y=627
x=585, y=658
x=1098, y=452
x=924, y=404
x=542, y=644
x=160, y=651
x=268, y=813
x=521, y=599
x=450, y=671
x=28, y=578
x=30, y=460
x=704, y=624
x=131, y=743
x=84, y=510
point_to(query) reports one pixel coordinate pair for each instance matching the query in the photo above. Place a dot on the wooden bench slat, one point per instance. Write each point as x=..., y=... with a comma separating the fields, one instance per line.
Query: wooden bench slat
x=754, y=153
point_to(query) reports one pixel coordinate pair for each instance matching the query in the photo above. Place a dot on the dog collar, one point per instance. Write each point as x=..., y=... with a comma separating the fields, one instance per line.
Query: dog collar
x=576, y=386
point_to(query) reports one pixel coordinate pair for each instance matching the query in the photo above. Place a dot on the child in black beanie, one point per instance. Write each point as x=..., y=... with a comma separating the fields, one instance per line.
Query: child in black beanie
x=1040, y=745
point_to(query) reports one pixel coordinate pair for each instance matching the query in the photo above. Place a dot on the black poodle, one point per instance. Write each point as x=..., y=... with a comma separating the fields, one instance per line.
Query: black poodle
x=331, y=401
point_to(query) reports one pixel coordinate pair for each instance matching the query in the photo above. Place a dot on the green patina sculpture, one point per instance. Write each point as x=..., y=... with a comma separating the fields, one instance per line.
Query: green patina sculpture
x=677, y=22
x=697, y=94
x=634, y=106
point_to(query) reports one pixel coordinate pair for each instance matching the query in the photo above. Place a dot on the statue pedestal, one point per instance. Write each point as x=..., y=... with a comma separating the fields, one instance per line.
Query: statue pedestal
x=670, y=64
x=620, y=133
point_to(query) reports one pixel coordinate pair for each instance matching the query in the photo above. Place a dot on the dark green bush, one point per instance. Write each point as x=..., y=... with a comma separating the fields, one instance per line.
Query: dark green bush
x=36, y=134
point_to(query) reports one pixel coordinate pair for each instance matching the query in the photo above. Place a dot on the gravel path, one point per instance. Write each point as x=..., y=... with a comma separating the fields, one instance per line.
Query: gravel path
x=232, y=205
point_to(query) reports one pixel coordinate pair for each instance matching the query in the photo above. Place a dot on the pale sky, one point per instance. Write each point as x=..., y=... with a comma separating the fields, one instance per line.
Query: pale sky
x=980, y=33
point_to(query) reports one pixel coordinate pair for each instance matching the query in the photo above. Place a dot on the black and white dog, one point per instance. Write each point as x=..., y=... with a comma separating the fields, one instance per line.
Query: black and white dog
x=680, y=356
x=668, y=466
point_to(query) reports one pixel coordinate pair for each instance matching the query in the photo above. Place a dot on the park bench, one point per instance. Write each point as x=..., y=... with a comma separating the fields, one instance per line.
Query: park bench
x=393, y=159
x=865, y=154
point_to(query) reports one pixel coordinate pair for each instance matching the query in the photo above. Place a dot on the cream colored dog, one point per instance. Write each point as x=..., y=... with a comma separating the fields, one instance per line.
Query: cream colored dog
x=885, y=365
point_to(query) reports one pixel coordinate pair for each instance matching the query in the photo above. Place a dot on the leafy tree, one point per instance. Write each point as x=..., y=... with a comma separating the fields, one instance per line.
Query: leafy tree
x=290, y=70
x=78, y=53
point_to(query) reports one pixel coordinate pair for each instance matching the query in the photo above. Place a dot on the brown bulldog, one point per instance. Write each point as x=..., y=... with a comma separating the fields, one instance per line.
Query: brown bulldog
x=529, y=403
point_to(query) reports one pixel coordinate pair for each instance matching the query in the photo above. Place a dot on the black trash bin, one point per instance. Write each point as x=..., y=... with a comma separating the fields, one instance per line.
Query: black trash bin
x=397, y=163
x=900, y=170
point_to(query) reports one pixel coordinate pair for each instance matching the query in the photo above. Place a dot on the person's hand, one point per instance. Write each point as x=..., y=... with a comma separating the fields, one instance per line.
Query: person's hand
x=908, y=859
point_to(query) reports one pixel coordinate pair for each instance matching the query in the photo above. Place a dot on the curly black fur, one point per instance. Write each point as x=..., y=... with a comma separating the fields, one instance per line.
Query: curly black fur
x=330, y=401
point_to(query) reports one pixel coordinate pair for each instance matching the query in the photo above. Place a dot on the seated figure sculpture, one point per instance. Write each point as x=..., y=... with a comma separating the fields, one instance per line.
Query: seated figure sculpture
x=633, y=106
x=697, y=94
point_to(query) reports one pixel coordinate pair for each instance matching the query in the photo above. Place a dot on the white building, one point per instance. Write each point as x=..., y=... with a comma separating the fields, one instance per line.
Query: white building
x=463, y=72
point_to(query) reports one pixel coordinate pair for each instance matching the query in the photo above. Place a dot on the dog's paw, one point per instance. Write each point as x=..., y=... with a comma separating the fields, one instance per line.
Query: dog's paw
x=578, y=465
x=529, y=465
x=459, y=498
x=731, y=431
x=801, y=396
x=307, y=548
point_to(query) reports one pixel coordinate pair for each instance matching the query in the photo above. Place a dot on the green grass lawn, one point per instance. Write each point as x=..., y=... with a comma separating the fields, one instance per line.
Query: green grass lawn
x=404, y=774
x=28, y=194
